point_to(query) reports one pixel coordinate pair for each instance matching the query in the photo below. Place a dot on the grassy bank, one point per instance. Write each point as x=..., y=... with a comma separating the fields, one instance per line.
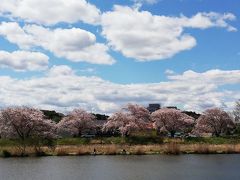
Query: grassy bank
x=113, y=149
x=147, y=140
x=136, y=140
x=138, y=145
x=169, y=148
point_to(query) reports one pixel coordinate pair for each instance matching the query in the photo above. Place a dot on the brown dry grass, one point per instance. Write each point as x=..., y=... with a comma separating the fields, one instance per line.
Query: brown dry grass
x=172, y=148
x=62, y=152
x=109, y=150
x=112, y=149
x=210, y=148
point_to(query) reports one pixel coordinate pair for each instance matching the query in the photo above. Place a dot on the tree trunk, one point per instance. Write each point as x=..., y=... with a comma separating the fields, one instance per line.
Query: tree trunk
x=172, y=134
x=158, y=131
x=79, y=133
x=126, y=134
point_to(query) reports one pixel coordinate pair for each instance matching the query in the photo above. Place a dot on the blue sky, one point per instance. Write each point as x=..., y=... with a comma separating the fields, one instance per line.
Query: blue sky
x=138, y=61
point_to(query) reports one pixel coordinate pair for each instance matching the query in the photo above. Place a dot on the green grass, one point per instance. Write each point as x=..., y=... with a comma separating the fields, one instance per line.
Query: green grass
x=144, y=140
x=132, y=140
x=212, y=140
x=8, y=142
x=82, y=141
x=111, y=140
x=141, y=139
x=73, y=141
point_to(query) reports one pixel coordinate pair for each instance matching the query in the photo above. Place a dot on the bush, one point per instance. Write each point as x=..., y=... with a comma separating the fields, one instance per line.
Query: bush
x=40, y=153
x=6, y=153
x=237, y=130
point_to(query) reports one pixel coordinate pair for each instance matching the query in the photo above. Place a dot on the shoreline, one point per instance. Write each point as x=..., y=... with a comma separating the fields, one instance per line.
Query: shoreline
x=126, y=149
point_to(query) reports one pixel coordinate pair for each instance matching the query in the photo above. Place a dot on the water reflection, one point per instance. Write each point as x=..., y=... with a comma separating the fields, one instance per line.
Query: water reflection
x=162, y=167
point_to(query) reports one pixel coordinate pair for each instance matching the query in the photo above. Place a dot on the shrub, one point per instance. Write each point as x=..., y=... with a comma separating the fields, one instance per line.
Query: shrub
x=6, y=153
x=40, y=153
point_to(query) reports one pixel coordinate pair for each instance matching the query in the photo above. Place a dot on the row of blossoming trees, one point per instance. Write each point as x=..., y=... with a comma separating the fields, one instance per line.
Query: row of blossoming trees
x=135, y=117
x=30, y=126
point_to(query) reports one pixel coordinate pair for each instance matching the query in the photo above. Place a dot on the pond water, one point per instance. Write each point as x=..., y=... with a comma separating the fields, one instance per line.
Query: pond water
x=148, y=167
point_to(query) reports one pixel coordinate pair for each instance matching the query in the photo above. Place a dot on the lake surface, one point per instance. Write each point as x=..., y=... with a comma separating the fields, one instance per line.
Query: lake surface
x=151, y=167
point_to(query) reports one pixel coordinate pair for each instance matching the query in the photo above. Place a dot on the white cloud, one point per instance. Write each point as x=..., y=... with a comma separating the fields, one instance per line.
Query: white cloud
x=146, y=37
x=62, y=89
x=146, y=1
x=23, y=60
x=89, y=70
x=207, y=20
x=215, y=76
x=139, y=3
x=50, y=12
x=73, y=44
x=62, y=70
x=15, y=34
x=169, y=72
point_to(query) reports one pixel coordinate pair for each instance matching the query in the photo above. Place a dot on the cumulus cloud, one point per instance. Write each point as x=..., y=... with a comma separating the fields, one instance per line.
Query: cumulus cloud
x=50, y=12
x=146, y=37
x=15, y=34
x=62, y=89
x=23, y=60
x=74, y=44
x=62, y=70
x=215, y=76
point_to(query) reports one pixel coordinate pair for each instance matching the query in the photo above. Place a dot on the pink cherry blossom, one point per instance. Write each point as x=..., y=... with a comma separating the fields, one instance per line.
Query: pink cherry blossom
x=76, y=122
x=172, y=120
x=130, y=118
x=25, y=123
x=215, y=121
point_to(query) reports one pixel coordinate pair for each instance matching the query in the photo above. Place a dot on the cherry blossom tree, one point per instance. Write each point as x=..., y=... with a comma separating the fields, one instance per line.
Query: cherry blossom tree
x=130, y=118
x=215, y=121
x=139, y=113
x=236, y=111
x=76, y=122
x=26, y=124
x=172, y=121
